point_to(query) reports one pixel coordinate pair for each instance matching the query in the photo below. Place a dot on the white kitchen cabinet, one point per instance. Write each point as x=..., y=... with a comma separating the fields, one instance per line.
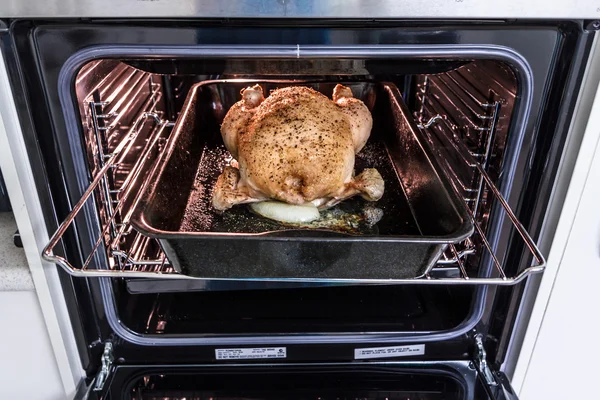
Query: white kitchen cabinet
x=563, y=363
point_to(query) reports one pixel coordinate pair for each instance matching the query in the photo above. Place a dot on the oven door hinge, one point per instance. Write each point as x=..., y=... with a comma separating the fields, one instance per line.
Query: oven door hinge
x=481, y=363
x=106, y=367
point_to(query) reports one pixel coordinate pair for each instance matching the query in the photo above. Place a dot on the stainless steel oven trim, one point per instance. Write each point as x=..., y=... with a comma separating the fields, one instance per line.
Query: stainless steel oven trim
x=447, y=9
x=506, y=54
x=529, y=319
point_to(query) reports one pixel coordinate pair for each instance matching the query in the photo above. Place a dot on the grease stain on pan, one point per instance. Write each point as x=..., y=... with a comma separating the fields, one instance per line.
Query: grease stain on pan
x=390, y=215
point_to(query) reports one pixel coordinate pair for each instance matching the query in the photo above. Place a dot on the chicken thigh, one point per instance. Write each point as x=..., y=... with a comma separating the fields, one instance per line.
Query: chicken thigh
x=296, y=146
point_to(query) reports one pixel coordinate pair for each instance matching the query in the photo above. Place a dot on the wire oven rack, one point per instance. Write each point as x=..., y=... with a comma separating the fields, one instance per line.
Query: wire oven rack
x=133, y=255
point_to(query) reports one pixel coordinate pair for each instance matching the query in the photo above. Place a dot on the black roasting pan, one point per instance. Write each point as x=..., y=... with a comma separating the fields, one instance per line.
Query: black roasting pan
x=421, y=212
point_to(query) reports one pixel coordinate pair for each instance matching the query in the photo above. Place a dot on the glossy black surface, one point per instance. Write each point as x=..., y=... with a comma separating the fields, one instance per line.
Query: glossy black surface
x=38, y=49
x=297, y=310
x=362, y=383
x=445, y=380
x=300, y=382
x=421, y=212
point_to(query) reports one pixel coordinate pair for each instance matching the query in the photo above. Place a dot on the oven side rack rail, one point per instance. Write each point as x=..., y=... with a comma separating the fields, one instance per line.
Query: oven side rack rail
x=134, y=262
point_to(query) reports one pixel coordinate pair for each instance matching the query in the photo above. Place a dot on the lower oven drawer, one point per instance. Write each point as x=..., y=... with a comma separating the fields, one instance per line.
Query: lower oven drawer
x=391, y=381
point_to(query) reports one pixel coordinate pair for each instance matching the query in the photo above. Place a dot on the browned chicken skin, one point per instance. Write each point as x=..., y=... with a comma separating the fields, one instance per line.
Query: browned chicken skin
x=296, y=146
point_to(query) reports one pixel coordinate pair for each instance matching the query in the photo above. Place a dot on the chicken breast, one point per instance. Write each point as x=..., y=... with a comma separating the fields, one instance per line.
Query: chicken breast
x=296, y=146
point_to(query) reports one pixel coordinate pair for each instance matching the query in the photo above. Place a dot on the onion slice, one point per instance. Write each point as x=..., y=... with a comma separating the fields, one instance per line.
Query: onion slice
x=288, y=213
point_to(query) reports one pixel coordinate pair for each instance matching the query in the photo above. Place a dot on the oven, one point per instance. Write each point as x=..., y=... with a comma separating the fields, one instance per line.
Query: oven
x=101, y=94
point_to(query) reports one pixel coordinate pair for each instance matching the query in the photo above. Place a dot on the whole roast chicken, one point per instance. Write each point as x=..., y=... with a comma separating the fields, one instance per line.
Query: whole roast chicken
x=296, y=146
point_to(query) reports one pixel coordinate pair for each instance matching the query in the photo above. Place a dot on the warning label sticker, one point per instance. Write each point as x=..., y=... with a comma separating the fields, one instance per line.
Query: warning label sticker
x=245, y=354
x=393, y=351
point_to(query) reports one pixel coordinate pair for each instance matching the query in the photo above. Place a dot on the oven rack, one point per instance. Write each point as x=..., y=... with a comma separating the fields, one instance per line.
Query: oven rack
x=142, y=257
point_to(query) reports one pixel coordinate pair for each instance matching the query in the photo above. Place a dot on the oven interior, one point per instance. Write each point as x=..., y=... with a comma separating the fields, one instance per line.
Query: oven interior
x=128, y=108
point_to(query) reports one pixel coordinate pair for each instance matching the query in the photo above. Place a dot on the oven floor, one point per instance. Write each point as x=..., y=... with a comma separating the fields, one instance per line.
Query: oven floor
x=325, y=309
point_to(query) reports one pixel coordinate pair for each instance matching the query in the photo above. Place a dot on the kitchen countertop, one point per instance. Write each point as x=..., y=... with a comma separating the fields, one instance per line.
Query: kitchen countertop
x=14, y=270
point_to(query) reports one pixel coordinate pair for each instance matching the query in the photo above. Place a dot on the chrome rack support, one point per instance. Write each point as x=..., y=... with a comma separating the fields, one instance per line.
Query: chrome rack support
x=456, y=257
x=431, y=121
x=105, y=369
x=112, y=161
x=480, y=362
x=485, y=180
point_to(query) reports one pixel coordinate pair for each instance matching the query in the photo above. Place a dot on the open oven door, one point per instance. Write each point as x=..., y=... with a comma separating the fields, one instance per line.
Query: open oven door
x=458, y=380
